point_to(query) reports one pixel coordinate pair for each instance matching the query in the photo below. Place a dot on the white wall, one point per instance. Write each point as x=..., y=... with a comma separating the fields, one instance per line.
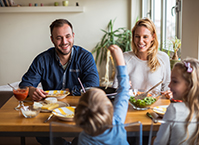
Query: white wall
x=24, y=35
x=190, y=29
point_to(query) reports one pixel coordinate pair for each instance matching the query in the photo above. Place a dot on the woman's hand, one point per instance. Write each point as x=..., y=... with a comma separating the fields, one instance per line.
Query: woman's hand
x=168, y=94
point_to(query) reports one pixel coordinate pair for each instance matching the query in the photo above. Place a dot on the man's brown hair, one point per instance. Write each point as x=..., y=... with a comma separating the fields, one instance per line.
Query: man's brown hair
x=60, y=23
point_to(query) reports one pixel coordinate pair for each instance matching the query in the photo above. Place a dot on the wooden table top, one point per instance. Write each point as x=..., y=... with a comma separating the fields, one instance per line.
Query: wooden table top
x=13, y=121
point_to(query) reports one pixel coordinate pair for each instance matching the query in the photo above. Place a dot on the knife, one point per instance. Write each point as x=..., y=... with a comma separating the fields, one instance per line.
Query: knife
x=51, y=115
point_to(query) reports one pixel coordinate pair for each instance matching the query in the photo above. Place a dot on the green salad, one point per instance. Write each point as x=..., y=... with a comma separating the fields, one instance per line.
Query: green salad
x=142, y=103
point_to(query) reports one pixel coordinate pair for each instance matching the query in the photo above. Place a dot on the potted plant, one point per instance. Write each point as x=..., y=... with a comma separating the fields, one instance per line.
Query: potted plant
x=120, y=37
x=175, y=44
x=176, y=47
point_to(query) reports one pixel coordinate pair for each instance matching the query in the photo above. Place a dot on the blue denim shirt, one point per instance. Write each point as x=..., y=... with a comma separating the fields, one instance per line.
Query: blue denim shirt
x=116, y=135
x=47, y=69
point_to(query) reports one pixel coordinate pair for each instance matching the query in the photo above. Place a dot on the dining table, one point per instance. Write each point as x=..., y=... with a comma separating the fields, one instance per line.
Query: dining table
x=13, y=123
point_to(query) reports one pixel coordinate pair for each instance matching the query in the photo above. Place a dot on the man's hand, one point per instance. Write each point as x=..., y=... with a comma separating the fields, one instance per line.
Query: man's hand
x=117, y=54
x=36, y=94
x=67, y=89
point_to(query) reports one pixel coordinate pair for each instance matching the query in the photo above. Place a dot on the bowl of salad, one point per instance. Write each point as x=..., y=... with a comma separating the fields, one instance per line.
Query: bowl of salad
x=145, y=103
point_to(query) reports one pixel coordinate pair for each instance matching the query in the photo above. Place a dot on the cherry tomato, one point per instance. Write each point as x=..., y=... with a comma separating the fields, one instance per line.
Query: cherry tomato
x=173, y=100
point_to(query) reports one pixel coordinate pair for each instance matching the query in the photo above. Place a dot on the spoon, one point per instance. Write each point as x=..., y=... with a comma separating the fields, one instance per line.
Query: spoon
x=11, y=86
x=143, y=95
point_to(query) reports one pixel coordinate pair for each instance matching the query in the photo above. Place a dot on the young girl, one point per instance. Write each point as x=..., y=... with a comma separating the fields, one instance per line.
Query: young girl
x=185, y=86
x=95, y=112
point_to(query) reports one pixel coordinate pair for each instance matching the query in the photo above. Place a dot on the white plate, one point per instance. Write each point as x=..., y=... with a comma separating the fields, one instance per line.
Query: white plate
x=59, y=94
x=61, y=104
x=160, y=110
x=65, y=113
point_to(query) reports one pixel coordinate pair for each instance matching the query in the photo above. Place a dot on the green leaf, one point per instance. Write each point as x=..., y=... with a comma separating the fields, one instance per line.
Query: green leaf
x=120, y=37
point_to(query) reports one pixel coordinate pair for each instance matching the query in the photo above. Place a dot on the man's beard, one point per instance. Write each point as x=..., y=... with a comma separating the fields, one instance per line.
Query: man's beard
x=59, y=51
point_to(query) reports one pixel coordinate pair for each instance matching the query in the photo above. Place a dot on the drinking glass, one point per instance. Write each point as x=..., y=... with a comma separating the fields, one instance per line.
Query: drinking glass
x=20, y=94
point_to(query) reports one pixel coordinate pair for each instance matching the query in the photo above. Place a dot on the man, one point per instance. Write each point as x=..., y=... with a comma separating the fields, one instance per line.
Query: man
x=59, y=67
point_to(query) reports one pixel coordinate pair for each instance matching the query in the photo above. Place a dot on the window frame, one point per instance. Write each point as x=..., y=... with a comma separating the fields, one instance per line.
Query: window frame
x=148, y=10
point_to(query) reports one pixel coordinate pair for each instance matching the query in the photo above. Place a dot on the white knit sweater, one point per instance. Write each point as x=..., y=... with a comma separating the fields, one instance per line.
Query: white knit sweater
x=140, y=75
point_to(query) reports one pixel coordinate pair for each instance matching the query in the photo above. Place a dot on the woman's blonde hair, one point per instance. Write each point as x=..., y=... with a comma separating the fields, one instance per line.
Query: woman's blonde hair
x=94, y=112
x=152, y=59
x=190, y=73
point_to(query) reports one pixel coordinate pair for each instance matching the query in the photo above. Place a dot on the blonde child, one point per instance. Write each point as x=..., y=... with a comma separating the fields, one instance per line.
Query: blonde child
x=95, y=112
x=185, y=86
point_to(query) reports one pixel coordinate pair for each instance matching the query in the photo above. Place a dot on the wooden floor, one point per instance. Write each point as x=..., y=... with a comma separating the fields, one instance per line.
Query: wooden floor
x=17, y=141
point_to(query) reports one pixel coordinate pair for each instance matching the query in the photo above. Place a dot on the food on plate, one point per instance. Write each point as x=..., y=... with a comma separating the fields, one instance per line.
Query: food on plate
x=50, y=106
x=69, y=115
x=64, y=113
x=149, y=100
x=37, y=105
x=57, y=93
x=51, y=100
x=160, y=110
x=173, y=100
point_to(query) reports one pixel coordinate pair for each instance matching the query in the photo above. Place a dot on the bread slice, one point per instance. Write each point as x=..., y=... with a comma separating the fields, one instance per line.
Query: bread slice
x=50, y=106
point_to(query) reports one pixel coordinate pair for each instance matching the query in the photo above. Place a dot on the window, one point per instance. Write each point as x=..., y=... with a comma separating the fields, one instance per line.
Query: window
x=166, y=15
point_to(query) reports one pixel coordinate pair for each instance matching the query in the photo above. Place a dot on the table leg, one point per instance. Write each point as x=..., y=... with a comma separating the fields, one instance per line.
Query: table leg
x=23, y=141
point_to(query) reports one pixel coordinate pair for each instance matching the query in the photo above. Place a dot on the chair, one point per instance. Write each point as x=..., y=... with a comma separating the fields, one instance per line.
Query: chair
x=5, y=96
x=58, y=130
x=177, y=127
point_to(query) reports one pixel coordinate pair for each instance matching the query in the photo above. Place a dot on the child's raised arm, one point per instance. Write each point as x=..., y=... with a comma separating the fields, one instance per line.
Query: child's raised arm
x=117, y=54
x=121, y=99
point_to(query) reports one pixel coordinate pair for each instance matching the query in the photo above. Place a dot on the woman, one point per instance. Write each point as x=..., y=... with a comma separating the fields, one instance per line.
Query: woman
x=146, y=65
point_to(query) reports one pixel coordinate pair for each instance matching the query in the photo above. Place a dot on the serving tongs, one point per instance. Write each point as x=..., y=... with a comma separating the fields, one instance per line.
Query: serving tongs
x=143, y=95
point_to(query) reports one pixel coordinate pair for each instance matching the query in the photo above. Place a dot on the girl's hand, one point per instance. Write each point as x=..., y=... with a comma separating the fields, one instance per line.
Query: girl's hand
x=117, y=54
